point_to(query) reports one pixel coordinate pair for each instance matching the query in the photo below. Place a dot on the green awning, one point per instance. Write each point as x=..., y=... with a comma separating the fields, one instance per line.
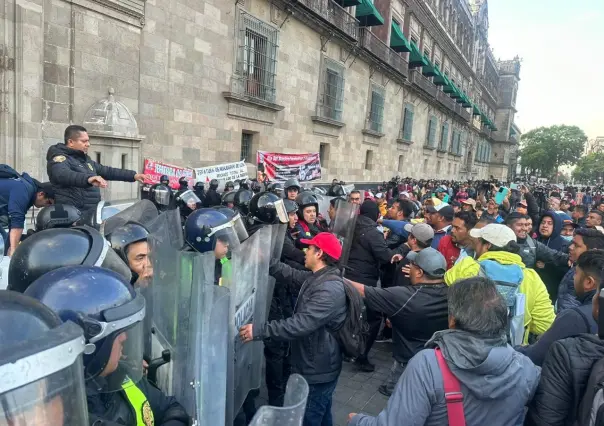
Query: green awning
x=476, y=110
x=456, y=92
x=416, y=59
x=348, y=3
x=466, y=101
x=428, y=70
x=398, y=42
x=494, y=128
x=448, y=87
x=439, y=79
x=368, y=15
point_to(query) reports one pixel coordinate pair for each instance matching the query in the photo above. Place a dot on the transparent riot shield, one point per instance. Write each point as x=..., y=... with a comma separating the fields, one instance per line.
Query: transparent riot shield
x=323, y=201
x=277, y=237
x=167, y=227
x=294, y=406
x=143, y=212
x=248, y=284
x=190, y=319
x=343, y=227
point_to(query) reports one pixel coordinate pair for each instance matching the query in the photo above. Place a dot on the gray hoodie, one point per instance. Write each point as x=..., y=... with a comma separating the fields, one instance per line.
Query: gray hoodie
x=496, y=381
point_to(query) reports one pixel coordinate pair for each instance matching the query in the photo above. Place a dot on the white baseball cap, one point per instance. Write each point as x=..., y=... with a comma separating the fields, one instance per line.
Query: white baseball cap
x=498, y=235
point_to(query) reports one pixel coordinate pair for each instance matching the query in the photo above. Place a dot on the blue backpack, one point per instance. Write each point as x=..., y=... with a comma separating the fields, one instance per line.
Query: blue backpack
x=507, y=279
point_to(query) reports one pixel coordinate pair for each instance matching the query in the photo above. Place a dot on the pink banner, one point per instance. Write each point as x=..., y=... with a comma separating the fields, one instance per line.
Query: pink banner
x=156, y=169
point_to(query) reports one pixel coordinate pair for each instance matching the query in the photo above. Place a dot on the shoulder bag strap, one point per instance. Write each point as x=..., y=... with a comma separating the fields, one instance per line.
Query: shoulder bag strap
x=453, y=395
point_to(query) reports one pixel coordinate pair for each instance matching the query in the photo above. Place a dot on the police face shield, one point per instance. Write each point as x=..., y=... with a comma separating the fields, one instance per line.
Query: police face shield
x=45, y=386
x=281, y=211
x=239, y=228
x=143, y=212
x=225, y=240
x=115, y=347
x=190, y=199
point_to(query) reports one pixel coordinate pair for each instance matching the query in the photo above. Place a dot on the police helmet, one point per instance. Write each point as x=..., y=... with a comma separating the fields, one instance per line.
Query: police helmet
x=242, y=201
x=164, y=180
x=187, y=200
x=318, y=190
x=106, y=307
x=305, y=199
x=40, y=364
x=276, y=188
x=268, y=208
x=229, y=186
x=290, y=206
x=214, y=184
x=255, y=186
x=228, y=198
x=204, y=227
x=337, y=191
x=291, y=183
x=121, y=238
x=183, y=183
x=244, y=184
x=80, y=245
x=57, y=216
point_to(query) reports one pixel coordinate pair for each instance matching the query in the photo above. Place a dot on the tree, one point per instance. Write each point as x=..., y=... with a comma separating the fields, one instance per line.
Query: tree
x=590, y=168
x=545, y=149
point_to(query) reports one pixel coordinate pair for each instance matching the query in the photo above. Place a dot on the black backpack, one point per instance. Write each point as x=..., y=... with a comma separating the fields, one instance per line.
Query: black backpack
x=7, y=172
x=352, y=334
x=591, y=409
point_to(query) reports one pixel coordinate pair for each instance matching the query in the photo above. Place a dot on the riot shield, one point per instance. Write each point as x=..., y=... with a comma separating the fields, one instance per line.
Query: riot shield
x=323, y=201
x=167, y=227
x=248, y=305
x=343, y=227
x=190, y=319
x=294, y=406
x=143, y=212
x=277, y=236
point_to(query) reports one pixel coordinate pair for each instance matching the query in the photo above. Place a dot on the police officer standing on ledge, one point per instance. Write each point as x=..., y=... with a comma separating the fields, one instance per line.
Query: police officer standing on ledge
x=76, y=178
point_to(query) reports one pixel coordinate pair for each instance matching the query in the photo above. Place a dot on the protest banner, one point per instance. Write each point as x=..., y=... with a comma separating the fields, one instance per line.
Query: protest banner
x=155, y=169
x=222, y=172
x=279, y=167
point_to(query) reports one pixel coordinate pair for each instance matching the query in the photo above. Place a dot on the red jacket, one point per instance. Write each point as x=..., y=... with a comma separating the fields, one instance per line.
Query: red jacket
x=449, y=250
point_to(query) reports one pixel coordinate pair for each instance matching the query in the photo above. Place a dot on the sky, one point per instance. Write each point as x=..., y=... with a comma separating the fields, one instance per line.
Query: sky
x=561, y=44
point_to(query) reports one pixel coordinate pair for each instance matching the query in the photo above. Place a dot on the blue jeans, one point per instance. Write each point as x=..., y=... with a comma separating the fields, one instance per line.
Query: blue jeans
x=318, y=406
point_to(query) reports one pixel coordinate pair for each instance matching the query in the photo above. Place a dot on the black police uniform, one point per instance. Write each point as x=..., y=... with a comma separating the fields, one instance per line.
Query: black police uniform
x=69, y=171
x=212, y=198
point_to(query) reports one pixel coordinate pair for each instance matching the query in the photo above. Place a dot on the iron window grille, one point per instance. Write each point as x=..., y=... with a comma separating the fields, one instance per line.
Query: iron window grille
x=407, y=130
x=246, y=147
x=331, y=101
x=376, y=109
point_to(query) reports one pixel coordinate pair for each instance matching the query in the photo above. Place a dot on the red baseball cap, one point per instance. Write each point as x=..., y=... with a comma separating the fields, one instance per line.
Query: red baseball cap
x=327, y=242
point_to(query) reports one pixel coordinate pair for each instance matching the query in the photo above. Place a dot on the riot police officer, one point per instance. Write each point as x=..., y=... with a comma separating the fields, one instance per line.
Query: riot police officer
x=308, y=209
x=40, y=365
x=198, y=188
x=209, y=230
x=130, y=243
x=276, y=188
x=241, y=201
x=212, y=198
x=266, y=208
x=111, y=315
x=229, y=186
x=81, y=245
x=161, y=195
x=186, y=201
x=228, y=199
x=292, y=189
x=75, y=177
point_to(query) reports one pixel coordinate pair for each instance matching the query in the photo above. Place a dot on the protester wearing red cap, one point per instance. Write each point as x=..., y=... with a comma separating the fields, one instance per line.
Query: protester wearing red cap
x=320, y=309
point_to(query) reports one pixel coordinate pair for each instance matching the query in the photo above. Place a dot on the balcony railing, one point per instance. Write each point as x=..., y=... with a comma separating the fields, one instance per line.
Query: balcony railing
x=383, y=52
x=422, y=82
x=445, y=100
x=334, y=14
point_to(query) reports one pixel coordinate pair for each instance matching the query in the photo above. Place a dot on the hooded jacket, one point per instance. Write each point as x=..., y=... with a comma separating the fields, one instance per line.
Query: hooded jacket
x=69, y=170
x=567, y=298
x=539, y=311
x=496, y=382
x=563, y=381
x=368, y=250
x=551, y=275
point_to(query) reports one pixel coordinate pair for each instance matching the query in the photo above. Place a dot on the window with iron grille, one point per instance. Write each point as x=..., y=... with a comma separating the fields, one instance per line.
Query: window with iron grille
x=444, y=137
x=376, y=109
x=453, y=147
x=431, y=136
x=331, y=99
x=462, y=141
x=255, y=75
x=246, y=147
x=407, y=130
x=324, y=154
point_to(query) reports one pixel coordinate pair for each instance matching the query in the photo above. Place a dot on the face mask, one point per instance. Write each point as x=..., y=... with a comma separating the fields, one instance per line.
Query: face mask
x=567, y=237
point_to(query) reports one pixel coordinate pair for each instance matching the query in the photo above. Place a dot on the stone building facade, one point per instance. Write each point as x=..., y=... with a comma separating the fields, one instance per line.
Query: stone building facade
x=378, y=87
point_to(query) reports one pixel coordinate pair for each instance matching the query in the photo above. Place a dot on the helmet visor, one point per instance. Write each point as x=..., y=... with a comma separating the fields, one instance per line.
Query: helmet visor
x=190, y=199
x=46, y=388
x=162, y=196
x=281, y=211
x=239, y=228
x=226, y=240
